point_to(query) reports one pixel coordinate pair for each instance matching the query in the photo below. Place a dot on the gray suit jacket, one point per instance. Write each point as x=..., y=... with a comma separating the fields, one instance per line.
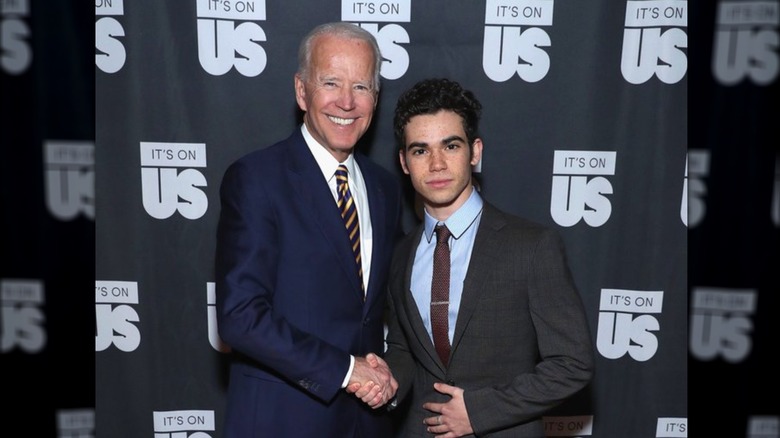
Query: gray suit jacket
x=522, y=343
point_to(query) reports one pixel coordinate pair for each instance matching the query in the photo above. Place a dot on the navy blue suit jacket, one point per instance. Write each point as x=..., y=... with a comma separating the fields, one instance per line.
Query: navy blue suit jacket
x=289, y=301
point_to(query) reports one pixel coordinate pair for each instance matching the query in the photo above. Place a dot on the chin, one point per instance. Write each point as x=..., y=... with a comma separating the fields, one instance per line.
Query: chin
x=440, y=202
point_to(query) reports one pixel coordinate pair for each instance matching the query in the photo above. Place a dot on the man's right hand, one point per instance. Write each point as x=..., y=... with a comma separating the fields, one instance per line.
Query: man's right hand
x=372, y=381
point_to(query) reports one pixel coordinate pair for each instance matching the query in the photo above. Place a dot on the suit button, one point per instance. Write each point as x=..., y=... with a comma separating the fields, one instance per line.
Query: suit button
x=451, y=382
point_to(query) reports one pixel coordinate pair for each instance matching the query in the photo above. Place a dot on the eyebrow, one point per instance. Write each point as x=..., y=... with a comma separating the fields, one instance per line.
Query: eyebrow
x=452, y=138
x=445, y=140
x=417, y=144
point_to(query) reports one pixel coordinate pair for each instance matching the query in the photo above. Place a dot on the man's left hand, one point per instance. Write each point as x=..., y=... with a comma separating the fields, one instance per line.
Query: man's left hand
x=451, y=419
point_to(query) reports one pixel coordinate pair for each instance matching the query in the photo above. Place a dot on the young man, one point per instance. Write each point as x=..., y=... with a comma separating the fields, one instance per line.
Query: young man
x=513, y=340
x=302, y=259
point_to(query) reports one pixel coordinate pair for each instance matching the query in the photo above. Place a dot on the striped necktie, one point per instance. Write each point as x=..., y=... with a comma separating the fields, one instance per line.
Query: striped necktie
x=348, y=211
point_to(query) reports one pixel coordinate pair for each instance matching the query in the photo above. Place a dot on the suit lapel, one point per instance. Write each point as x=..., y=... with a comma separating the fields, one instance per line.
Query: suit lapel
x=482, y=261
x=410, y=307
x=316, y=196
x=377, y=202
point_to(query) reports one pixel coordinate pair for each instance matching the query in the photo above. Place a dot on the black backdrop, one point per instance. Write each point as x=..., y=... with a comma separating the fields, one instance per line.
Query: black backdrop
x=702, y=344
x=47, y=96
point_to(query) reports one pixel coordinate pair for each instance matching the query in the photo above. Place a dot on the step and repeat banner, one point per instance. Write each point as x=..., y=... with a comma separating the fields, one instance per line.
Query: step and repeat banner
x=643, y=131
x=584, y=126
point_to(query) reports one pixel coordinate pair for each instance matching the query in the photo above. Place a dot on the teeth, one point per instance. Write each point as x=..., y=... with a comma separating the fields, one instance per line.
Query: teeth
x=340, y=121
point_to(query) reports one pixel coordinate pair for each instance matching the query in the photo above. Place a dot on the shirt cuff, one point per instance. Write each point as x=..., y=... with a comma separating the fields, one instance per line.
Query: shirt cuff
x=349, y=371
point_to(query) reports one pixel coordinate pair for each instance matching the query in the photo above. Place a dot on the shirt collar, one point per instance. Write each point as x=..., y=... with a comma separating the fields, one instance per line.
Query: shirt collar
x=459, y=221
x=325, y=160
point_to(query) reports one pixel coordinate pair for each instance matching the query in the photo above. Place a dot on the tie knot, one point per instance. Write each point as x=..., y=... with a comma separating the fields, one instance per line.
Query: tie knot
x=442, y=233
x=341, y=171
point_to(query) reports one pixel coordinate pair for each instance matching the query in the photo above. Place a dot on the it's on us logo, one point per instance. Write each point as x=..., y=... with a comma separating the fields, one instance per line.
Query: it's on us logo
x=229, y=36
x=169, y=180
x=390, y=36
x=654, y=41
x=183, y=424
x=628, y=322
x=516, y=39
x=110, y=53
x=115, y=315
x=15, y=35
x=21, y=315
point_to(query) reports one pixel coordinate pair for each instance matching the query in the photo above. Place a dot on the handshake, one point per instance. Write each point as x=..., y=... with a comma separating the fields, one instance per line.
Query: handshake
x=372, y=381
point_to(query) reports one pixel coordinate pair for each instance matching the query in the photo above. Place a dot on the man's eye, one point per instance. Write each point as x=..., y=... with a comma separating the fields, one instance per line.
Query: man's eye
x=364, y=90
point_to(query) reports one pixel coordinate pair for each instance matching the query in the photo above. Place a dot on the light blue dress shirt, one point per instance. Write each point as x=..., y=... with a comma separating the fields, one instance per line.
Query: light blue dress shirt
x=463, y=225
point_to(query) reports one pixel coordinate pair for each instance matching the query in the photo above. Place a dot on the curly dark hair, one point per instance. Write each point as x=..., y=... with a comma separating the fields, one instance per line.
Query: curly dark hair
x=430, y=96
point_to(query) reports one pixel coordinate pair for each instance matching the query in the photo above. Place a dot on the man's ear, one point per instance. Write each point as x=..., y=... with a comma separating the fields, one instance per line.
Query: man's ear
x=300, y=92
x=402, y=159
x=476, y=151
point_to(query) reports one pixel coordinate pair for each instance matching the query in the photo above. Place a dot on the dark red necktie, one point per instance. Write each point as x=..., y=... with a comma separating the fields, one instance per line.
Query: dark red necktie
x=440, y=293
